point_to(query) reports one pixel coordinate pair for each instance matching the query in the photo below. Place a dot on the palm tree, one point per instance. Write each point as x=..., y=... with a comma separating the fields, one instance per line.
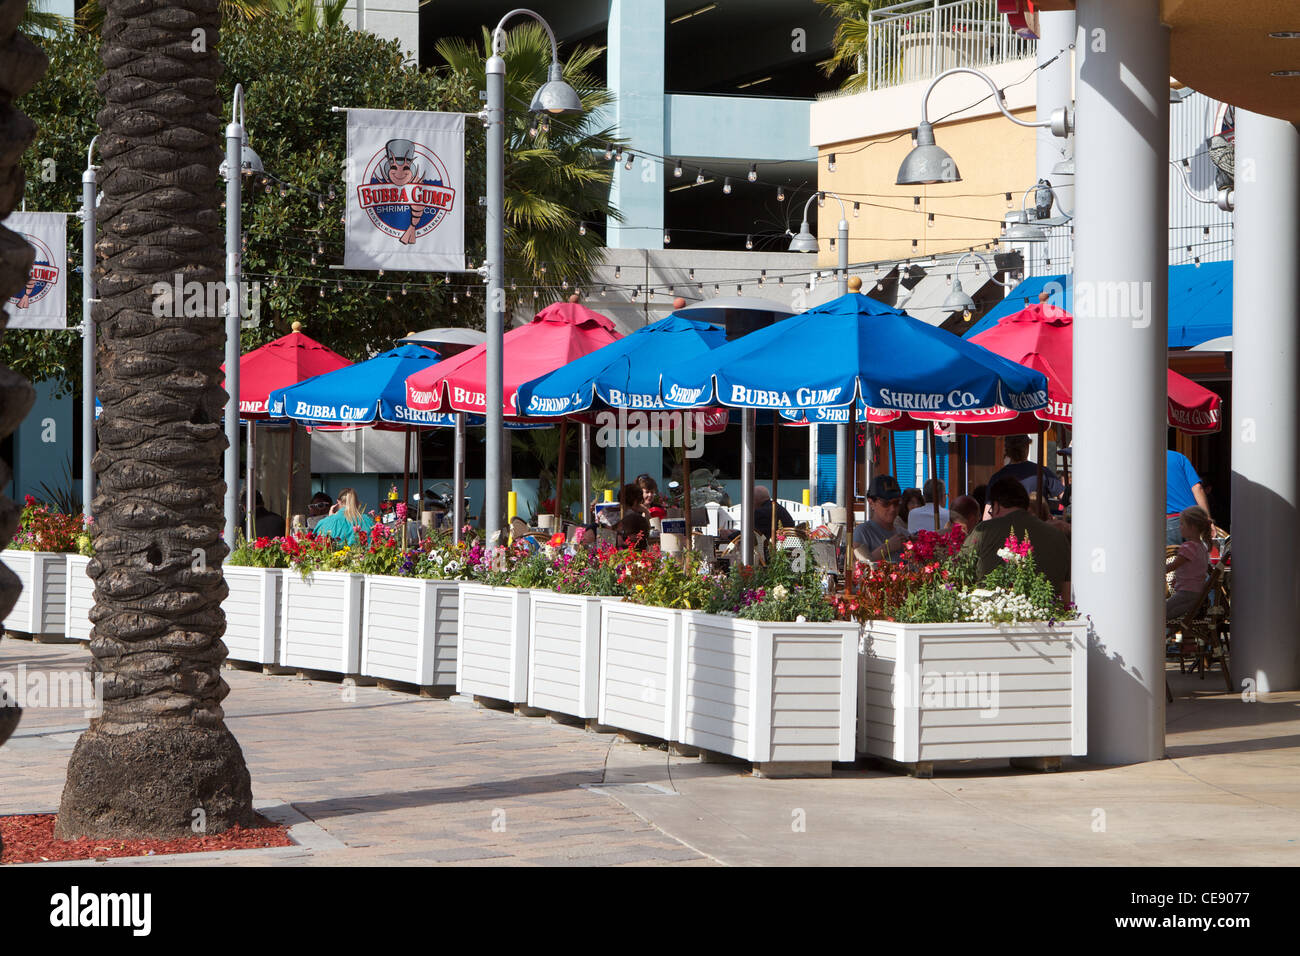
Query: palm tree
x=91, y=15
x=554, y=181
x=311, y=15
x=852, y=39
x=159, y=761
x=21, y=64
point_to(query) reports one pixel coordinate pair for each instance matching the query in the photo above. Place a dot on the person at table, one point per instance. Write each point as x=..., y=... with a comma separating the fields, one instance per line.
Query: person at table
x=633, y=530
x=1191, y=565
x=763, y=512
x=966, y=512
x=266, y=523
x=912, y=499
x=344, y=520
x=1183, y=489
x=1009, y=503
x=1019, y=467
x=318, y=508
x=882, y=536
x=650, y=498
x=922, y=518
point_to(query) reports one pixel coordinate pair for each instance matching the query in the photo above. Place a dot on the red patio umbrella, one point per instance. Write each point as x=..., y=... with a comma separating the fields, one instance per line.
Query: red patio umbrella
x=1041, y=337
x=286, y=361
x=556, y=336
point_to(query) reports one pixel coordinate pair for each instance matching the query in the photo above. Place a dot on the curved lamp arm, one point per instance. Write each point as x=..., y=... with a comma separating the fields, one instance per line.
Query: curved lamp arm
x=1225, y=199
x=843, y=212
x=1067, y=213
x=237, y=105
x=90, y=153
x=956, y=271
x=499, y=34
x=1060, y=122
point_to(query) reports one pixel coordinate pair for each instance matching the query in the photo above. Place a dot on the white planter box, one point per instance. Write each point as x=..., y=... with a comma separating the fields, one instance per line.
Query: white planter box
x=41, y=607
x=769, y=692
x=253, y=616
x=493, y=632
x=408, y=630
x=79, y=598
x=320, y=625
x=564, y=653
x=932, y=692
x=640, y=652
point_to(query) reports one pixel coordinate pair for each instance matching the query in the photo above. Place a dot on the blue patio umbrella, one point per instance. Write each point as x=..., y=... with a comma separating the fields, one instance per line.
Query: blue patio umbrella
x=623, y=374
x=853, y=350
x=853, y=347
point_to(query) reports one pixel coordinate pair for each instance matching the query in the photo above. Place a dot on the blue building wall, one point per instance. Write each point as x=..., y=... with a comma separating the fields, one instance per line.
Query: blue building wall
x=45, y=446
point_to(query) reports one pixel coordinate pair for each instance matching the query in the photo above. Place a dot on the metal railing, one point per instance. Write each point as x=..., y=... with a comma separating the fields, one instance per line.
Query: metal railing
x=920, y=39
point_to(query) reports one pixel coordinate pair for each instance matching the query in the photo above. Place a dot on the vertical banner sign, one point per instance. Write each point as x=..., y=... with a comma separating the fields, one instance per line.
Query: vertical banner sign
x=43, y=302
x=405, y=185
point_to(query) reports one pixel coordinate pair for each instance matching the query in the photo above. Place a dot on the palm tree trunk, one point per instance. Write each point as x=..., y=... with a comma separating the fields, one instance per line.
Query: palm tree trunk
x=21, y=65
x=160, y=760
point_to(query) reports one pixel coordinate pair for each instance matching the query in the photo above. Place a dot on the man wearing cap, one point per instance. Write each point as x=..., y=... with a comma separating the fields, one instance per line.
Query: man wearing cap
x=882, y=536
x=1009, y=503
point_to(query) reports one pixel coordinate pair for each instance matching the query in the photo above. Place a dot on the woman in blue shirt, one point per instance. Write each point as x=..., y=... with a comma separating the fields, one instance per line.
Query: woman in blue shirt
x=344, y=519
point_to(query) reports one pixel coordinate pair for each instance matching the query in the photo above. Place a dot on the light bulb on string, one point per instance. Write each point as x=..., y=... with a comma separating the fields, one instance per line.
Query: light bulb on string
x=631, y=157
x=618, y=272
x=321, y=292
x=830, y=163
x=403, y=288
x=821, y=200
x=609, y=152
x=753, y=172
x=699, y=177
x=668, y=238
x=780, y=194
x=582, y=228
x=677, y=170
x=749, y=242
x=618, y=155
x=726, y=185
x=338, y=287
x=1009, y=200
x=929, y=220
x=454, y=299
x=856, y=208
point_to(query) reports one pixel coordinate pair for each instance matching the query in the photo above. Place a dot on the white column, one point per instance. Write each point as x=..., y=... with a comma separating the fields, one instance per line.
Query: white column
x=1120, y=334
x=1265, y=452
x=1055, y=33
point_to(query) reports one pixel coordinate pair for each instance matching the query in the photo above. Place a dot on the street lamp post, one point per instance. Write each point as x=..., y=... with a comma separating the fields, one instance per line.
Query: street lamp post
x=805, y=241
x=88, y=197
x=557, y=98
x=240, y=159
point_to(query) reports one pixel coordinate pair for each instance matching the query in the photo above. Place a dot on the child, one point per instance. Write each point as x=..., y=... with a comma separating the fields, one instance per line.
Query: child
x=1191, y=564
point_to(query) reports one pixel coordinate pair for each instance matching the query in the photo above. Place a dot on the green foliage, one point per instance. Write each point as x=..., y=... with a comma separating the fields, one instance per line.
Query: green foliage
x=677, y=581
x=262, y=553
x=291, y=80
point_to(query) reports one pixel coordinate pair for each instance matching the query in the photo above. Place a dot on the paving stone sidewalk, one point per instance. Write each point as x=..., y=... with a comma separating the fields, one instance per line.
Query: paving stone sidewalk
x=394, y=778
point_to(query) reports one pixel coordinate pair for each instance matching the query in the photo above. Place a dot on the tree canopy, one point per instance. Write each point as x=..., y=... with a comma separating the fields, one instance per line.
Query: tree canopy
x=293, y=220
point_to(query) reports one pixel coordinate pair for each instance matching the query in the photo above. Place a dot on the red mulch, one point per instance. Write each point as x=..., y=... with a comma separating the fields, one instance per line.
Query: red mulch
x=30, y=839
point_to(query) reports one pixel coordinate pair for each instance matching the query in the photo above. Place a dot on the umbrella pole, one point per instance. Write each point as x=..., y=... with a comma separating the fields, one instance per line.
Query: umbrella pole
x=622, y=465
x=1042, y=453
x=419, y=480
x=686, y=492
x=250, y=472
x=775, y=433
x=747, y=417
x=406, y=480
x=585, y=438
x=458, y=480
x=559, y=476
x=934, y=471
x=288, y=489
x=849, y=495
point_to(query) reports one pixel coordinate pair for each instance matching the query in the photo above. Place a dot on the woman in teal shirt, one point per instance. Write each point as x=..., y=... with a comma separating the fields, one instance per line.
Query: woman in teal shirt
x=344, y=519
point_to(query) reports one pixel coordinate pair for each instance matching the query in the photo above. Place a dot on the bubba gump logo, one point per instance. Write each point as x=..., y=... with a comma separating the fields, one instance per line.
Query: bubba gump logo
x=41, y=279
x=404, y=191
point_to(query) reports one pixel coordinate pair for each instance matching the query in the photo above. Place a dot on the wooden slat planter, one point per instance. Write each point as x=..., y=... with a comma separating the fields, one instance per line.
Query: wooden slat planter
x=41, y=607
x=408, y=630
x=936, y=692
x=253, y=615
x=640, y=652
x=320, y=627
x=493, y=631
x=564, y=653
x=781, y=695
x=79, y=598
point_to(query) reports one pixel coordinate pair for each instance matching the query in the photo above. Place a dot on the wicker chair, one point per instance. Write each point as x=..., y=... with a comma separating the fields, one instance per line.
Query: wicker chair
x=1204, y=629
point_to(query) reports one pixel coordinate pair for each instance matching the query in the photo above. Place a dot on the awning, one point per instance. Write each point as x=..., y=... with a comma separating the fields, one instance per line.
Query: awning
x=1200, y=302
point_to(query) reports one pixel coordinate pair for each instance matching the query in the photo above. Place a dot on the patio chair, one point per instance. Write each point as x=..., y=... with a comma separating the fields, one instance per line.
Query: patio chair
x=1202, y=645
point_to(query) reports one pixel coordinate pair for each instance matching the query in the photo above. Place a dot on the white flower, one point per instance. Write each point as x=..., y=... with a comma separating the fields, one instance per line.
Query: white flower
x=780, y=592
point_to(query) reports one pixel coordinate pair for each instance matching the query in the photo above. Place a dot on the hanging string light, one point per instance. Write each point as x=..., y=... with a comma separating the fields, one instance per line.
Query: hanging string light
x=753, y=172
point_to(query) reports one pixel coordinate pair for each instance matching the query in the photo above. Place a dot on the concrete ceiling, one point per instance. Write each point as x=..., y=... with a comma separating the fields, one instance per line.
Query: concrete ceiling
x=1223, y=49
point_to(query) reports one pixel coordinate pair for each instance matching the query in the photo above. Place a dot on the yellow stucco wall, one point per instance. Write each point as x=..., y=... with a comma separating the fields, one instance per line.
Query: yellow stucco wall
x=994, y=156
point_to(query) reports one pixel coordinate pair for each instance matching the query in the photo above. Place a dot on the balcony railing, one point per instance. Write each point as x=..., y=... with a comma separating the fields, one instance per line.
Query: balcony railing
x=920, y=39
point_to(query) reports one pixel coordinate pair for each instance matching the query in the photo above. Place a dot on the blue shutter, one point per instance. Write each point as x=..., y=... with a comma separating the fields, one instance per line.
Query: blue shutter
x=827, y=472
x=905, y=454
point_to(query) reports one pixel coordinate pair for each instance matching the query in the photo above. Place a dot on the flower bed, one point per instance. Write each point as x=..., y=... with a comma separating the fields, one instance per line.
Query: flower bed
x=493, y=655
x=321, y=622
x=564, y=653
x=79, y=597
x=639, y=670
x=38, y=556
x=253, y=614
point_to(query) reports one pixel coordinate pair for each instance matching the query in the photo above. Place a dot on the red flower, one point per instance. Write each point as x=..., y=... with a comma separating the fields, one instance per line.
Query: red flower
x=29, y=500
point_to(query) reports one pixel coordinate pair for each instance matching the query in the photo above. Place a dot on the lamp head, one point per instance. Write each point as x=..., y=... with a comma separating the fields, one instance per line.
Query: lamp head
x=805, y=241
x=927, y=164
x=555, y=96
x=958, y=300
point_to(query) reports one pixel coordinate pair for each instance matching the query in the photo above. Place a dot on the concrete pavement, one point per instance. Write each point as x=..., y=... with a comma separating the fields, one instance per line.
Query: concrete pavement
x=393, y=778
